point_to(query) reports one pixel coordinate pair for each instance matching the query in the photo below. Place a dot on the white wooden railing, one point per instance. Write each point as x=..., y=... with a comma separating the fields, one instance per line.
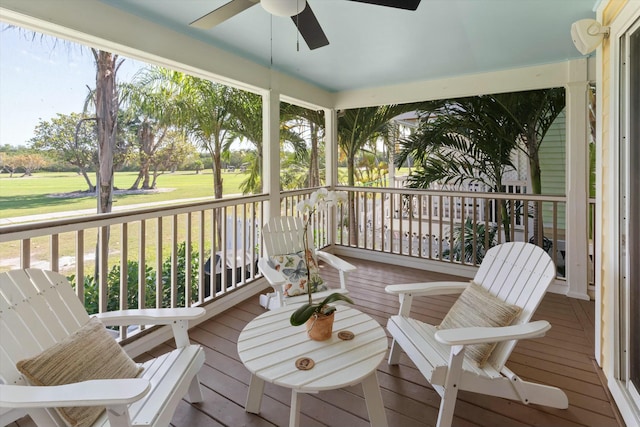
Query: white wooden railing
x=143, y=246
x=427, y=224
x=96, y=247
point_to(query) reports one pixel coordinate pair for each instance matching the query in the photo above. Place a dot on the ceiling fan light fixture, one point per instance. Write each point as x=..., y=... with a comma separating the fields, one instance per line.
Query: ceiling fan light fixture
x=284, y=7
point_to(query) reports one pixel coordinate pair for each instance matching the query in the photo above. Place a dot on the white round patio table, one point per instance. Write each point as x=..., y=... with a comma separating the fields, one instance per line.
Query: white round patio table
x=269, y=347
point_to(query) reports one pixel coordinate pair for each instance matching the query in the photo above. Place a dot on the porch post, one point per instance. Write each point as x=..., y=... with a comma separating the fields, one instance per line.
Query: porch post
x=577, y=179
x=331, y=162
x=271, y=152
x=331, y=147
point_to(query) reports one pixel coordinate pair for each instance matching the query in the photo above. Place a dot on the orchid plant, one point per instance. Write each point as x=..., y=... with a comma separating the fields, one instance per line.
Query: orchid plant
x=318, y=200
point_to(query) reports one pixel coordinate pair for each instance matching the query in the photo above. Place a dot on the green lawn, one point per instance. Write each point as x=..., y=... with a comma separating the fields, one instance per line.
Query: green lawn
x=32, y=195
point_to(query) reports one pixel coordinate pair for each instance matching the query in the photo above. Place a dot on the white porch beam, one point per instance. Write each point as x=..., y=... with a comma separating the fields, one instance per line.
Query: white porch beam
x=96, y=24
x=514, y=80
x=577, y=178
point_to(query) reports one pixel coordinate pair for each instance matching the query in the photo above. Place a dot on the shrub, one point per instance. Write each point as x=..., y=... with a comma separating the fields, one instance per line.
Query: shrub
x=92, y=293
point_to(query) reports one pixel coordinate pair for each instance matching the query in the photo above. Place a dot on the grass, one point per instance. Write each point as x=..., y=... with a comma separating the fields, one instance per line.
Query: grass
x=22, y=196
x=45, y=192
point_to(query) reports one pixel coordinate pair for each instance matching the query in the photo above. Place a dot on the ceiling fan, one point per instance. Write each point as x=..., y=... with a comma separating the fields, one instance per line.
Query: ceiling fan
x=299, y=11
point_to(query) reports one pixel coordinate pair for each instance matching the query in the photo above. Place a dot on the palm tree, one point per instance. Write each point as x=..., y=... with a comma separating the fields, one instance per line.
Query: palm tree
x=149, y=116
x=356, y=128
x=303, y=118
x=201, y=107
x=246, y=125
x=533, y=112
x=462, y=141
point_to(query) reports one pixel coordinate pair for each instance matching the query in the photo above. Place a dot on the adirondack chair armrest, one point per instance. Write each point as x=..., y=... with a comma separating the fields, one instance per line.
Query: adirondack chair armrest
x=479, y=335
x=427, y=288
x=274, y=277
x=112, y=392
x=336, y=262
x=178, y=318
x=149, y=316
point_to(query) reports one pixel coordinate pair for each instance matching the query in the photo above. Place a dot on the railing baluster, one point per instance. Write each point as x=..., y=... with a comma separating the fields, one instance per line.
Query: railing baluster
x=202, y=256
x=103, y=262
x=124, y=273
x=54, y=252
x=142, y=266
x=80, y=264
x=174, y=261
x=159, y=263
x=187, y=261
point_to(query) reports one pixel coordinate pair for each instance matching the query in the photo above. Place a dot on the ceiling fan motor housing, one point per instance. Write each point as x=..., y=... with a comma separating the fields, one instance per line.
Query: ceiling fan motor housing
x=284, y=7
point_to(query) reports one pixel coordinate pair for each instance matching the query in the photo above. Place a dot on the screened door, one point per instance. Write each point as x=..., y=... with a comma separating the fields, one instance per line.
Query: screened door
x=629, y=337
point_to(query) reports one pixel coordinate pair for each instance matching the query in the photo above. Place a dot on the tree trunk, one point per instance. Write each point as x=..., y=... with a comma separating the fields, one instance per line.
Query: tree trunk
x=353, y=227
x=147, y=137
x=314, y=169
x=216, y=167
x=106, y=114
x=106, y=100
x=136, y=183
x=536, y=188
x=83, y=172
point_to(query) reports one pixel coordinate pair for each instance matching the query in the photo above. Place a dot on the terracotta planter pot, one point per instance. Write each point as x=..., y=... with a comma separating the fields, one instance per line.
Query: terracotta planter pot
x=320, y=327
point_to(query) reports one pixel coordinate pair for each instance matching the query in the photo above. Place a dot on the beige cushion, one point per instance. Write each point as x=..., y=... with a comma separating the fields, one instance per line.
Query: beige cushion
x=477, y=307
x=89, y=353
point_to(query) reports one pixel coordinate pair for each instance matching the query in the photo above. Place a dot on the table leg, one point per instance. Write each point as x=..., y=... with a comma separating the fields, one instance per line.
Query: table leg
x=294, y=414
x=254, y=396
x=373, y=398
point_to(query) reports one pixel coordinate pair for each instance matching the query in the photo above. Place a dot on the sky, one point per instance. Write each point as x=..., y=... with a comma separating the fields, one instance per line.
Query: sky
x=42, y=77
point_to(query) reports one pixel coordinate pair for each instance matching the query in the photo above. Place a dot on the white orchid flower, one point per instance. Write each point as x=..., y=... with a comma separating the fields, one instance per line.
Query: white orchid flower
x=304, y=205
x=341, y=197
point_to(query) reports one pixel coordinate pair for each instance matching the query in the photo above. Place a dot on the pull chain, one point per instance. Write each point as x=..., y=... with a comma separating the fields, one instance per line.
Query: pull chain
x=298, y=27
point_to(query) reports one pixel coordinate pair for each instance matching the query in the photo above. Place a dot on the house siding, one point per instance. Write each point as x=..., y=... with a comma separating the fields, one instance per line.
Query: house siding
x=552, y=165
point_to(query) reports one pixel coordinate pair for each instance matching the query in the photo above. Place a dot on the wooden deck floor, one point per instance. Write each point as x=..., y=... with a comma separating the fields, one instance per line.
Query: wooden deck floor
x=563, y=358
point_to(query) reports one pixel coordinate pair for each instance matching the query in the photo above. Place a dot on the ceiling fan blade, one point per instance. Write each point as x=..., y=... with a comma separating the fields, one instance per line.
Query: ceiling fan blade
x=399, y=4
x=223, y=13
x=310, y=28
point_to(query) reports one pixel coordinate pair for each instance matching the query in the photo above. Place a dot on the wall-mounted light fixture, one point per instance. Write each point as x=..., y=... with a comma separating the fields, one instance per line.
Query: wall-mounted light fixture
x=587, y=34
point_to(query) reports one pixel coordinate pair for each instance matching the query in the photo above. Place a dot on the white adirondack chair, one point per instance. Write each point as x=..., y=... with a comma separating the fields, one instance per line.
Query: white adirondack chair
x=517, y=273
x=39, y=308
x=283, y=235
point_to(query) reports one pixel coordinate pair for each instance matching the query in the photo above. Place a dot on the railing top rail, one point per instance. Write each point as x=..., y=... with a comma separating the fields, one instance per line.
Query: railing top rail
x=467, y=194
x=42, y=228
x=304, y=191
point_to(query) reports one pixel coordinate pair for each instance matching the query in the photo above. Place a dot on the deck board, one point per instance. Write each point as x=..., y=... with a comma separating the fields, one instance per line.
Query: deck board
x=563, y=358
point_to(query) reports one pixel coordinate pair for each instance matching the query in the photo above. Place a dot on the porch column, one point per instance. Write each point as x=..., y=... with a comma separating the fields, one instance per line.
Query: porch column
x=271, y=151
x=577, y=179
x=331, y=161
x=331, y=146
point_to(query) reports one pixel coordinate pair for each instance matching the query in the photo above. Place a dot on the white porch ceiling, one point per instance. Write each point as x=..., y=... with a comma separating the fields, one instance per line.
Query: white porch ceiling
x=373, y=46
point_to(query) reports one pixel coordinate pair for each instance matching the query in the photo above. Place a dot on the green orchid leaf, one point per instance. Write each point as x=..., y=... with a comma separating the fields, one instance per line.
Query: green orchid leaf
x=335, y=297
x=305, y=311
x=302, y=314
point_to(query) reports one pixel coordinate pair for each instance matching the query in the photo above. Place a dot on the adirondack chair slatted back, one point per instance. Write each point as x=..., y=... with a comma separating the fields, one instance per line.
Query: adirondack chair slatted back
x=35, y=297
x=283, y=235
x=518, y=273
